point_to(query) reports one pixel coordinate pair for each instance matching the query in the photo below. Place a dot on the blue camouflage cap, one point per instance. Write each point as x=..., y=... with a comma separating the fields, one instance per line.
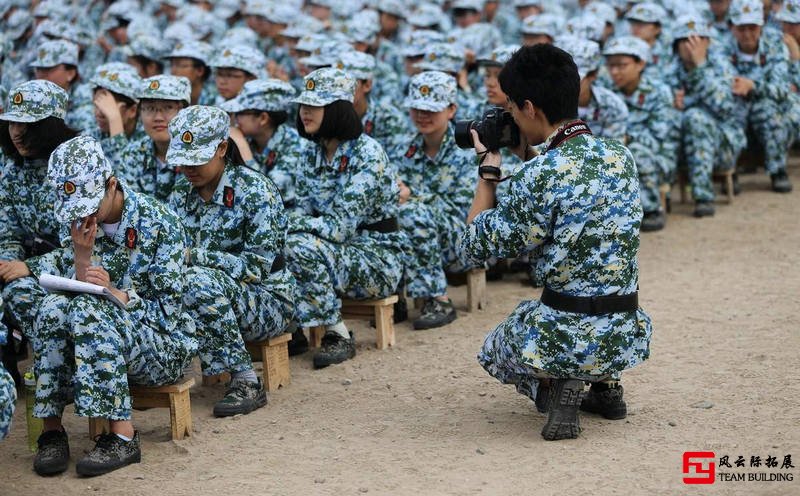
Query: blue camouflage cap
x=78, y=170
x=17, y=23
x=585, y=53
x=198, y=50
x=691, y=25
x=164, y=87
x=325, y=86
x=587, y=26
x=35, y=100
x=419, y=42
x=647, y=12
x=444, y=57
x=326, y=54
x=743, y=12
x=242, y=57
x=499, y=55
x=546, y=24
x=628, y=45
x=476, y=5
x=358, y=31
x=269, y=95
x=432, y=91
x=195, y=134
x=180, y=31
x=602, y=10
x=426, y=15
x=126, y=83
x=790, y=12
x=303, y=25
x=54, y=52
x=239, y=35
x=397, y=8
x=358, y=64
x=148, y=46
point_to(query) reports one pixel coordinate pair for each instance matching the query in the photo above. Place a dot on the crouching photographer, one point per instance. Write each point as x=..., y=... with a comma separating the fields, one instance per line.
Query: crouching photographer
x=578, y=201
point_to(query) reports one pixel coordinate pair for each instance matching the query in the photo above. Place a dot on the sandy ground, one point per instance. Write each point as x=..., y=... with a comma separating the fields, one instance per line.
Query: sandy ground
x=424, y=418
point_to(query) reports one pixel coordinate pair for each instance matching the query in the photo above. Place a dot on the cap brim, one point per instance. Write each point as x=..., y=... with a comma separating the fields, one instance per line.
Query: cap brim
x=232, y=105
x=313, y=100
x=427, y=105
x=18, y=117
x=78, y=207
x=191, y=158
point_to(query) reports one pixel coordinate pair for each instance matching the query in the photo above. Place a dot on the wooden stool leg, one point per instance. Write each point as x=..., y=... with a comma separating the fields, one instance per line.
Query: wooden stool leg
x=276, y=366
x=476, y=289
x=180, y=415
x=729, y=186
x=98, y=426
x=315, y=335
x=384, y=325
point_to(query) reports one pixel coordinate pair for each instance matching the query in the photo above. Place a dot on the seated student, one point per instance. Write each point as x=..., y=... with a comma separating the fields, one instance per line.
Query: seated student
x=143, y=163
x=234, y=66
x=235, y=230
x=437, y=182
x=274, y=147
x=343, y=238
x=539, y=28
x=789, y=16
x=116, y=109
x=191, y=60
x=386, y=83
x=57, y=61
x=133, y=246
x=146, y=55
x=761, y=86
x=646, y=20
x=652, y=128
x=711, y=137
x=447, y=58
x=8, y=391
x=30, y=129
x=381, y=120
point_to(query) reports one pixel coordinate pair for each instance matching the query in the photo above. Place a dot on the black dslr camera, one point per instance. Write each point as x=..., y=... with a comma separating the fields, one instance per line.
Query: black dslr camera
x=496, y=130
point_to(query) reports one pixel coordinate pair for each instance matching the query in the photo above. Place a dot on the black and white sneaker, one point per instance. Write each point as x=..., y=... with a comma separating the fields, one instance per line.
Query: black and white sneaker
x=241, y=398
x=780, y=182
x=435, y=313
x=110, y=453
x=52, y=457
x=334, y=349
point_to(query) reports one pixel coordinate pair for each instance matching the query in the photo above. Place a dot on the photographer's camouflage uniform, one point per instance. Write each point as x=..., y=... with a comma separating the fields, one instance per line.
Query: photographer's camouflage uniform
x=8, y=391
x=234, y=239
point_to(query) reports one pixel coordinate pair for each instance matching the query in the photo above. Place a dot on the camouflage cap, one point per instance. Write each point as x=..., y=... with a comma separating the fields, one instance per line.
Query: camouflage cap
x=691, y=25
x=647, y=12
x=518, y=4
x=743, y=12
x=303, y=25
x=195, y=133
x=587, y=26
x=358, y=64
x=17, y=23
x=322, y=3
x=57, y=29
x=226, y=8
x=433, y=91
x=426, y=15
x=78, y=170
x=126, y=83
x=239, y=35
x=476, y=5
x=585, y=53
x=281, y=13
x=628, y=45
x=178, y=32
x=270, y=95
x=419, y=42
x=54, y=52
x=397, y=8
x=311, y=42
x=148, y=46
x=499, y=55
x=546, y=24
x=191, y=49
x=444, y=57
x=35, y=100
x=242, y=57
x=325, y=86
x=326, y=54
x=115, y=67
x=790, y=12
x=602, y=10
x=358, y=31
x=166, y=88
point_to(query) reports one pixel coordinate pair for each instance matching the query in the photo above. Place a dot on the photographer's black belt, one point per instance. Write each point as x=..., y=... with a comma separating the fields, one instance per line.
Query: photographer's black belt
x=388, y=225
x=590, y=305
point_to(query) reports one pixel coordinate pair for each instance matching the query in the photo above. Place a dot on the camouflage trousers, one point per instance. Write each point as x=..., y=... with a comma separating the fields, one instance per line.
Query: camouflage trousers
x=704, y=148
x=770, y=125
x=793, y=114
x=88, y=344
x=433, y=237
x=22, y=298
x=8, y=399
x=370, y=265
x=654, y=170
x=227, y=313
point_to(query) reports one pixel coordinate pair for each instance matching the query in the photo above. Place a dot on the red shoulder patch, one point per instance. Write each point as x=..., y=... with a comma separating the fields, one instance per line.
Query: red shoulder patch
x=228, y=197
x=130, y=238
x=343, y=163
x=411, y=151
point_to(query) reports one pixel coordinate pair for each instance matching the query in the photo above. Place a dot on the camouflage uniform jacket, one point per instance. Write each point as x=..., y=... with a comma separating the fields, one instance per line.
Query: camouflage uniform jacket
x=138, y=166
x=606, y=114
x=768, y=68
x=384, y=122
x=280, y=160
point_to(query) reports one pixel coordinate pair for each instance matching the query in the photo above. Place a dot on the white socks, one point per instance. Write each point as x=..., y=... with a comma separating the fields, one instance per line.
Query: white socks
x=339, y=329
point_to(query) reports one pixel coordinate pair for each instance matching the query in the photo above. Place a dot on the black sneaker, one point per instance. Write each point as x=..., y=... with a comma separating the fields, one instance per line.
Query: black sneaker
x=606, y=401
x=334, y=349
x=241, y=398
x=563, y=401
x=653, y=221
x=109, y=453
x=434, y=314
x=542, y=398
x=299, y=343
x=780, y=182
x=52, y=457
x=703, y=209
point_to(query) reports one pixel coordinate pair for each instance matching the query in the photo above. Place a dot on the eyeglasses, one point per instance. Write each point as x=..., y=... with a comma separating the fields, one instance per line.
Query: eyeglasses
x=228, y=74
x=164, y=108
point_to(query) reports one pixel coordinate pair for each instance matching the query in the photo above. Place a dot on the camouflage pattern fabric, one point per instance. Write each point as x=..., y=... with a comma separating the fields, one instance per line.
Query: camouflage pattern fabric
x=35, y=100
x=139, y=167
x=606, y=114
x=384, y=122
x=279, y=160
x=8, y=391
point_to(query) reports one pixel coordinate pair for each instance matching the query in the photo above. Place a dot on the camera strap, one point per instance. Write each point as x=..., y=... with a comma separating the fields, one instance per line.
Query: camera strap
x=569, y=131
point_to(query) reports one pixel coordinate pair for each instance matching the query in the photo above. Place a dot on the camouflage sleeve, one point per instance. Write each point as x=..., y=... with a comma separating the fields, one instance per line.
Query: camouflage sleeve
x=775, y=83
x=10, y=244
x=58, y=262
x=711, y=84
x=614, y=114
x=113, y=146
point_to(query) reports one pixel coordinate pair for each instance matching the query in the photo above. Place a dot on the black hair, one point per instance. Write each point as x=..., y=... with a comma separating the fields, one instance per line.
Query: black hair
x=278, y=117
x=146, y=61
x=545, y=75
x=41, y=136
x=199, y=64
x=233, y=155
x=340, y=122
x=458, y=12
x=118, y=97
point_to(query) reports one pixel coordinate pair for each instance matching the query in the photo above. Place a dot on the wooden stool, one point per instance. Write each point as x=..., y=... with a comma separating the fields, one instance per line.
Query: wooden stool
x=174, y=396
x=274, y=355
x=725, y=177
x=381, y=310
x=663, y=191
x=476, y=290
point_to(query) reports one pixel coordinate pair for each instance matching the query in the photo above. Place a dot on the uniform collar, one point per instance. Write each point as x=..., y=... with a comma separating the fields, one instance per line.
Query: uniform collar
x=129, y=222
x=193, y=200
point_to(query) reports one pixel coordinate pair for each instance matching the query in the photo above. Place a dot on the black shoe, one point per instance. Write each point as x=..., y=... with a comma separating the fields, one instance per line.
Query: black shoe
x=653, y=221
x=606, y=401
x=52, y=457
x=704, y=209
x=109, y=453
x=334, y=349
x=241, y=398
x=435, y=313
x=542, y=398
x=299, y=343
x=400, y=311
x=563, y=401
x=780, y=182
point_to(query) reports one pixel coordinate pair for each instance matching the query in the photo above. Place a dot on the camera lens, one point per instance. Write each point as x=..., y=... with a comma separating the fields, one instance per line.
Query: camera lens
x=462, y=135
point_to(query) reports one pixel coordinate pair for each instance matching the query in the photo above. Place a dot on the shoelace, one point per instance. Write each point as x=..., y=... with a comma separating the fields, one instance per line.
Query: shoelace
x=105, y=440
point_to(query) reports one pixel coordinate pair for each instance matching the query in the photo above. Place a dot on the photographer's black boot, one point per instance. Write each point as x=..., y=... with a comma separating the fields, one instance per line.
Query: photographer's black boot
x=606, y=400
x=564, y=399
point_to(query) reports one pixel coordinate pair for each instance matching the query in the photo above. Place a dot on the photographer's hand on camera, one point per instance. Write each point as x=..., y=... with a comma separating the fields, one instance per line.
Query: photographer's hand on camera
x=485, y=192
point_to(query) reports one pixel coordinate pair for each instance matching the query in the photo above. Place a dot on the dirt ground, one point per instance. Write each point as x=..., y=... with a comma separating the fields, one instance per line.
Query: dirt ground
x=424, y=418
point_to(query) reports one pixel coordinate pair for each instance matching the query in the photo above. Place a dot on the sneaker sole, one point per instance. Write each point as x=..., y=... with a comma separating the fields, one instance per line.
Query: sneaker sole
x=321, y=362
x=615, y=414
x=564, y=401
x=49, y=471
x=93, y=471
x=423, y=326
x=225, y=411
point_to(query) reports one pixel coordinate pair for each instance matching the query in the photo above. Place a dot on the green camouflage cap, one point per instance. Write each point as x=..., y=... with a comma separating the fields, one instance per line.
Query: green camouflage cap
x=78, y=170
x=397, y=8
x=269, y=95
x=166, y=88
x=444, y=57
x=325, y=86
x=242, y=57
x=499, y=55
x=546, y=24
x=691, y=24
x=790, y=12
x=433, y=91
x=148, y=46
x=585, y=53
x=743, y=12
x=35, y=100
x=427, y=15
x=126, y=83
x=191, y=49
x=17, y=23
x=628, y=45
x=54, y=52
x=358, y=64
x=419, y=41
x=195, y=133
x=647, y=12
